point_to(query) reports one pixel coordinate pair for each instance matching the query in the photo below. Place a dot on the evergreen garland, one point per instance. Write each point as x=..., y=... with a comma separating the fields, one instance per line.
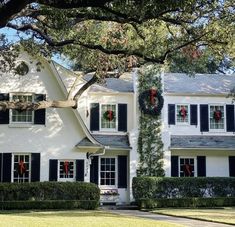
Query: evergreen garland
x=150, y=145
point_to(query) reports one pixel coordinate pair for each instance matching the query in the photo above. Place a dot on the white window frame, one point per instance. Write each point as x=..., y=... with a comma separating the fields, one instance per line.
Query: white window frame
x=116, y=123
x=182, y=123
x=12, y=168
x=63, y=179
x=116, y=173
x=212, y=129
x=16, y=122
x=195, y=164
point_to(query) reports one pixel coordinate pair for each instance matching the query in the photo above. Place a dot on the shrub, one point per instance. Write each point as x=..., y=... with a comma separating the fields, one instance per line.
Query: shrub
x=180, y=187
x=193, y=202
x=151, y=189
x=50, y=204
x=44, y=193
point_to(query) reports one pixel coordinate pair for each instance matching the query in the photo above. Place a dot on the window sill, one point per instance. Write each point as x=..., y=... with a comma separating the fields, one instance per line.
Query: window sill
x=20, y=125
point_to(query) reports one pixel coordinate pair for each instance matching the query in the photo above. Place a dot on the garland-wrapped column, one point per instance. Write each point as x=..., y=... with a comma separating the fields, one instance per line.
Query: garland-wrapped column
x=150, y=146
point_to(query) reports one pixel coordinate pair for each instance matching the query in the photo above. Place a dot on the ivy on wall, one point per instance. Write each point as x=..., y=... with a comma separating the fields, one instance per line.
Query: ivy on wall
x=150, y=145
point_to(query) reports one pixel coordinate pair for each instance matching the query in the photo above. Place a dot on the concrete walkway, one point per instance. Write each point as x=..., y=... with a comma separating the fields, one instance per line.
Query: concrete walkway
x=159, y=217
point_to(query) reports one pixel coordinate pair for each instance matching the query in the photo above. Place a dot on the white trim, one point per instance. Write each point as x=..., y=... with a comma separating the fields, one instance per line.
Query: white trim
x=20, y=124
x=209, y=126
x=116, y=118
x=182, y=123
x=58, y=170
x=12, y=165
x=188, y=157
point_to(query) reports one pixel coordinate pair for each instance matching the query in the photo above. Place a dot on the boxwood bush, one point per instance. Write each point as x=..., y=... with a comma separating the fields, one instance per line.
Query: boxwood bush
x=154, y=188
x=49, y=191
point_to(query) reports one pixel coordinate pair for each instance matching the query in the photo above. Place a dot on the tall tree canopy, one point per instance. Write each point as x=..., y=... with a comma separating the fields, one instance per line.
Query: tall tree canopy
x=119, y=34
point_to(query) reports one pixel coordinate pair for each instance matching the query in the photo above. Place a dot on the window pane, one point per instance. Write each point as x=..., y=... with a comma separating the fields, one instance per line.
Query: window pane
x=108, y=116
x=187, y=167
x=66, y=169
x=21, y=171
x=107, y=171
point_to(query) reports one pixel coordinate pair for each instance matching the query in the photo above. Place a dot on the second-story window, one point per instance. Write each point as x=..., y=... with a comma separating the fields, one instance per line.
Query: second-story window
x=25, y=116
x=108, y=116
x=216, y=117
x=182, y=114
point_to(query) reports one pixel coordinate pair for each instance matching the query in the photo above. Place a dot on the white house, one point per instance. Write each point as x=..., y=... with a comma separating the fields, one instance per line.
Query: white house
x=199, y=125
x=88, y=144
x=97, y=142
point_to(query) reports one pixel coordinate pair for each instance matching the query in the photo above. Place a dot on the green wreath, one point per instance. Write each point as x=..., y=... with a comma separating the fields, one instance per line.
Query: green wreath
x=109, y=115
x=151, y=102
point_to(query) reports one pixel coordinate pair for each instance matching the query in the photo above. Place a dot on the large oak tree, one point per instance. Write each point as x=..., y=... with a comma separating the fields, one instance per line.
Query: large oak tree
x=119, y=34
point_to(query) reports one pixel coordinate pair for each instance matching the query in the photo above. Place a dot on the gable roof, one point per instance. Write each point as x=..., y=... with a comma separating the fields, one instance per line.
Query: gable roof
x=208, y=84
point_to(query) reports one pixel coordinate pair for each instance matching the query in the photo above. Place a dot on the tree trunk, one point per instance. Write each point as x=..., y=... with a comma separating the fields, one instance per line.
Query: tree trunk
x=36, y=106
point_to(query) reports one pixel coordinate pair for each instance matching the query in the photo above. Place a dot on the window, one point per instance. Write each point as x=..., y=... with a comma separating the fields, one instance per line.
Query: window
x=216, y=117
x=108, y=116
x=182, y=114
x=21, y=168
x=187, y=167
x=107, y=171
x=25, y=116
x=66, y=169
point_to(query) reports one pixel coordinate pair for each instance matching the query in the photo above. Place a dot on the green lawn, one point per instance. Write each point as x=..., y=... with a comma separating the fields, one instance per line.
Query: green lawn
x=224, y=215
x=74, y=218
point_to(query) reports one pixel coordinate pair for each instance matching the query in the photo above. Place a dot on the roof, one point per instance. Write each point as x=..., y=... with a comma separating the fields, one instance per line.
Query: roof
x=111, y=85
x=112, y=141
x=198, y=84
x=203, y=142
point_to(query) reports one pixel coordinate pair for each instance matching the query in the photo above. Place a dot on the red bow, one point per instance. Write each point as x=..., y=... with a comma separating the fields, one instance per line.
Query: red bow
x=153, y=94
x=188, y=169
x=66, y=167
x=110, y=115
x=183, y=112
x=217, y=115
x=21, y=167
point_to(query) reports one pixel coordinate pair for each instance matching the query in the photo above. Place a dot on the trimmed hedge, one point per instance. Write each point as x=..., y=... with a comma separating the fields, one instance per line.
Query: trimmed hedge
x=151, y=191
x=49, y=195
x=186, y=202
x=50, y=204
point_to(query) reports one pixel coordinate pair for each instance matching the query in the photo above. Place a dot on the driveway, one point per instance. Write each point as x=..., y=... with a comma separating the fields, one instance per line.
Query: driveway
x=159, y=217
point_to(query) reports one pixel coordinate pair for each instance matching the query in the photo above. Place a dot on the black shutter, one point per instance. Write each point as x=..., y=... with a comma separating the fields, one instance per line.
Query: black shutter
x=80, y=170
x=204, y=118
x=94, y=174
x=122, y=171
x=40, y=115
x=53, y=169
x=193, y=114
x=231, y=166
x=94, y=117
x=174, y=166
x=122, y=117
x=6, y=175
x=4, y=114
x=0, y=167
x=35, y=167
x=201, y=166
x=230, y=118
x=171, y=114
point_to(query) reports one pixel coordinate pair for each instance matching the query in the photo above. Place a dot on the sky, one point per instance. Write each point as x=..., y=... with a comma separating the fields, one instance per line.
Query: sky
x=13, y=37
